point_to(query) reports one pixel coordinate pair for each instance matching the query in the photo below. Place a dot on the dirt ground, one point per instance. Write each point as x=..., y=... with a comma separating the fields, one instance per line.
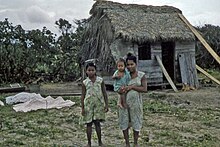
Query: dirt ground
x=190, y=118
x=191, y=115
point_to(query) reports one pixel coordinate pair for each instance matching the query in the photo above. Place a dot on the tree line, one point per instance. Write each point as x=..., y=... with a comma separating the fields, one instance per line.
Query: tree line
x=27, y=55
x=211, y=34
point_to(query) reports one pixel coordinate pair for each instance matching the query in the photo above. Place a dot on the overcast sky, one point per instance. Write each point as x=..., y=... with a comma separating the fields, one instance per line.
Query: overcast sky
x=33, y=14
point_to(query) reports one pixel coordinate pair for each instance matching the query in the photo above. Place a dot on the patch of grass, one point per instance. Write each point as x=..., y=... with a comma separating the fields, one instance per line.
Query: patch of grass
x=37, y=126
x=213, y=72
x=157, y=96
x=173, y=135
x=113, y=103
x=157, y=106
x=165, y=124
x=182, y=114
x=13, y=142
x=3, y=96
x=174, y=138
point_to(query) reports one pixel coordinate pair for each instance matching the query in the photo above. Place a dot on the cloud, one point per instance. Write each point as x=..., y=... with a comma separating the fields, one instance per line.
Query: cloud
x=32, y=14
x=11, y=14
x=17, y=4
x=35, y=14
x=205, y=18
x=70, y=10
x=23, y=12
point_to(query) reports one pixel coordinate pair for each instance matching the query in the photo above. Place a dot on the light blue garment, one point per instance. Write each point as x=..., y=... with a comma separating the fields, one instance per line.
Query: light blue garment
x=123, y=81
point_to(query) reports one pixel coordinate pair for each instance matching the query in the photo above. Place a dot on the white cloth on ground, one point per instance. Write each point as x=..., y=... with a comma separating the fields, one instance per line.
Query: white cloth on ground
x=22, y=97
x=43, y=103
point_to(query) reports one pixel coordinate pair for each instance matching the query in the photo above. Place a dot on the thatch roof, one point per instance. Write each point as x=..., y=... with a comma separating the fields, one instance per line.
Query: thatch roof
x=141, y=23
x=134, y=23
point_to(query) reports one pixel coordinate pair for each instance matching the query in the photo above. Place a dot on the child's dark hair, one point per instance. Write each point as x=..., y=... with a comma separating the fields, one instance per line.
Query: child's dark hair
x=121, y=60
x=90, y=64
x=130, y=56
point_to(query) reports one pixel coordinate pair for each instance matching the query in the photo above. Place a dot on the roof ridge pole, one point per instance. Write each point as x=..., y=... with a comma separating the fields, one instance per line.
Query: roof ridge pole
x=202, y=40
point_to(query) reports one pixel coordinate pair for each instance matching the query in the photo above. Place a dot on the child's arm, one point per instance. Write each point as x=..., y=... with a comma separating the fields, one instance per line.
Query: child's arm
x=83, y=97
x=105, y=96
x=115, y=75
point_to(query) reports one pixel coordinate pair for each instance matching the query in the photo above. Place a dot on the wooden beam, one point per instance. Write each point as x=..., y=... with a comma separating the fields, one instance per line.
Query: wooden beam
x=61, y=94
x=208, y=75
x=206, y=45
x=9, y=89
x=166, y=74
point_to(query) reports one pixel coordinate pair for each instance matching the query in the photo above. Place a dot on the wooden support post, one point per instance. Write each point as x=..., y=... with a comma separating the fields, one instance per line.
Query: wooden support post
x=166, y=74
x=210, y=50
x=208, y=75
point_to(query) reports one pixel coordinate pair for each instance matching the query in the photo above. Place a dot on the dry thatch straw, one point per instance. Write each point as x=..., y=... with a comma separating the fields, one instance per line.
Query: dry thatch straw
x=133, y=23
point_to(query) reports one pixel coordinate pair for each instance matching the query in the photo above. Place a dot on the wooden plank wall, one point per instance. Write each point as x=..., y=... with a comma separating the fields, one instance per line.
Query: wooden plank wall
x=151, y=67
x=152, y=70
x=182, y=47
x=185, y=55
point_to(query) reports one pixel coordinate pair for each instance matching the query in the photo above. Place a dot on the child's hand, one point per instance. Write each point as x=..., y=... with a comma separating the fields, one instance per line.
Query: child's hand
x=128, y=88
x=123, y=88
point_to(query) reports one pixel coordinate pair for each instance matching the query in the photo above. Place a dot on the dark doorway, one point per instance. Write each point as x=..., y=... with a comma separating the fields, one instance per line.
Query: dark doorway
x=144, y=51
x=168, y=59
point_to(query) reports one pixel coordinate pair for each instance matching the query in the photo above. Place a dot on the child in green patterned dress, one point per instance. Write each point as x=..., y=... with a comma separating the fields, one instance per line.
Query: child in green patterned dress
x=94, y=101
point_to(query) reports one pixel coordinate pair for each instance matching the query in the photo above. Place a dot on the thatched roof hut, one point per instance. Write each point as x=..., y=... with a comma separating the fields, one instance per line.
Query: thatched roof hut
x=115, y=29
